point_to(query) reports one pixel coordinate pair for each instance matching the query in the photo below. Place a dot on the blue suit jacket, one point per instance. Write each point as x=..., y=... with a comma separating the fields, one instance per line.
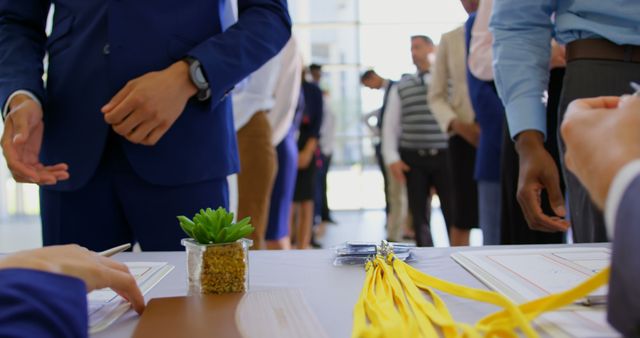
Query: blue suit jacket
x=97, y=46
x=37, y=304
x=624, y=294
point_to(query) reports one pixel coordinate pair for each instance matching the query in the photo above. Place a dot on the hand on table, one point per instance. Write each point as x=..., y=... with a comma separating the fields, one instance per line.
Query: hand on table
x=147, y=106
x=538, y=171
x=95, y=271
x=602, y=135
x=21, y=142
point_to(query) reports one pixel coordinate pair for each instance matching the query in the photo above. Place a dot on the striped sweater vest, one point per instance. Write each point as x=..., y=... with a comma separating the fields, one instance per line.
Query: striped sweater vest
x=419, y=127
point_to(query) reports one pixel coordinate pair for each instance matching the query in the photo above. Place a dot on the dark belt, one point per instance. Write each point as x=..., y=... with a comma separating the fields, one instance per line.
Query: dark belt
x=600, y=49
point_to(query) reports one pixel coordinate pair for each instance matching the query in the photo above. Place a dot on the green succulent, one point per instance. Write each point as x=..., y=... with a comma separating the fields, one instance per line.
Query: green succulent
x=215, y=227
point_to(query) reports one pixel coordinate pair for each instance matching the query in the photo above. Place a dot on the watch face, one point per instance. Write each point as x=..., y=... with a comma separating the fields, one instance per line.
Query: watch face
x=199, y=77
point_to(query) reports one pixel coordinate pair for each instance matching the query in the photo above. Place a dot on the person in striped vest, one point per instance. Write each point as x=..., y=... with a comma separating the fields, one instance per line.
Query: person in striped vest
x=414, y=147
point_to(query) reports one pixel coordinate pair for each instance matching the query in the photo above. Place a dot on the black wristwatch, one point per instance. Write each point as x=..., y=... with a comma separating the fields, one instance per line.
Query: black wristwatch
x=198, y=78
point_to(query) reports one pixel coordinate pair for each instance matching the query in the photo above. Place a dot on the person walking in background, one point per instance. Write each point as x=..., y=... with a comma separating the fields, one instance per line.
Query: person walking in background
x=413, y=145
x=266, y=96
x=394, y=191
x=302, y=211
x=449, y=102
x=133, y=124
x=489, y=116
x=601, y=58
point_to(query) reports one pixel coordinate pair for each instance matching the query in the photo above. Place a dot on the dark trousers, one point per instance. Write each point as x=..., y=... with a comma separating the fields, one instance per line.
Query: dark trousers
x=463, y=159
x=514, y=227
x=117, y=206
x=590, y=78
x=385, y=179
x=428, y=170
x=321, y=201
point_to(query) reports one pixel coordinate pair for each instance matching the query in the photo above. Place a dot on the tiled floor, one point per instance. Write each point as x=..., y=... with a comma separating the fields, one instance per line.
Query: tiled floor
x=20, y=233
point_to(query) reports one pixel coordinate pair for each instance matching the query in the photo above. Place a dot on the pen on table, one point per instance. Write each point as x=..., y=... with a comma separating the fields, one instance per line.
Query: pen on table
x=115, y=250
x=635, y=87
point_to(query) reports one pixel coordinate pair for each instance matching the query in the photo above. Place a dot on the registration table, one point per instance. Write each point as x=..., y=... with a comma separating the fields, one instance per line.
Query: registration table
x=330, y=291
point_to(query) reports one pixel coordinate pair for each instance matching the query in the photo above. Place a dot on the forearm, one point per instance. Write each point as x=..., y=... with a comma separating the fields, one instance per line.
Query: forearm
x=39, y=304
x=22, y=37
x=522, y=35
x=262, y=29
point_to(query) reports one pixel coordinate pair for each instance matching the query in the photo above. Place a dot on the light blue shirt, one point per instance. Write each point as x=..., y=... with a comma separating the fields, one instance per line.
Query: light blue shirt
x=522, y=30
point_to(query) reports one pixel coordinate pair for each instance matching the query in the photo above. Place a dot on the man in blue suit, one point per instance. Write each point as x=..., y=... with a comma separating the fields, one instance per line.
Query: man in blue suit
x=603, y=150
x=134, y=125
x=43, y=292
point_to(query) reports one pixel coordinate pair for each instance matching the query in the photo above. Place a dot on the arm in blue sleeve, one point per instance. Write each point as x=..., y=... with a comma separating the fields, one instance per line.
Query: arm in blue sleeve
x=41, y=304
x=262, y=29
x=22, y=41
x=522, y=33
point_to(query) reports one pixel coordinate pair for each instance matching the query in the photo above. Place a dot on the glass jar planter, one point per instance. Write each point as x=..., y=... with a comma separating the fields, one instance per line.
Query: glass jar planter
x=217, y=268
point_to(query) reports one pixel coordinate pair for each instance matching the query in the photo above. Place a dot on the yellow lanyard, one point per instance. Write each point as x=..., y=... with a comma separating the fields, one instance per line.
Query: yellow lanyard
x=393, y=304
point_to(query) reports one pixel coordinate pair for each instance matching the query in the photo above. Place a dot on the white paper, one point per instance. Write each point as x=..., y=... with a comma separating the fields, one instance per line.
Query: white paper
x=105, y=306
x=527, y=274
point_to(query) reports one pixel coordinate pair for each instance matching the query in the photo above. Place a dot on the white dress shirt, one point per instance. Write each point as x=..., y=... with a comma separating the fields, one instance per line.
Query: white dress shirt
x=392, y=124
x=275, y=87
x=618, y=187
x=480, y=57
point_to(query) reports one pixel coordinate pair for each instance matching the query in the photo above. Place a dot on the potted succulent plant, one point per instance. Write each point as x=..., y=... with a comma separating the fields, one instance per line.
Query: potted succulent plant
x=217, y=252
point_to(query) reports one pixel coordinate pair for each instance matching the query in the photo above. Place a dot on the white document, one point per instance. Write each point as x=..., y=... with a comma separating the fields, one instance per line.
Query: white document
x=105, y=306
x=527, y=274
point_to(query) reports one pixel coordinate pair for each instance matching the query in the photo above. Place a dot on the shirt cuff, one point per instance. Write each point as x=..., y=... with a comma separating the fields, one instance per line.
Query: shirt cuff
x=5, y=111
x=526, y=114
x=618, y=187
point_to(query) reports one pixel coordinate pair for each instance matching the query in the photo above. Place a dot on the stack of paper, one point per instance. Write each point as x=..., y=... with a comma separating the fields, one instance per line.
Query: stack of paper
x=527, y=274
x=105, y=306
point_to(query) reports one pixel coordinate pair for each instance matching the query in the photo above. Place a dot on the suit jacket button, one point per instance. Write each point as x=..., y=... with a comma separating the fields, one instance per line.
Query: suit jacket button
x=106, y=50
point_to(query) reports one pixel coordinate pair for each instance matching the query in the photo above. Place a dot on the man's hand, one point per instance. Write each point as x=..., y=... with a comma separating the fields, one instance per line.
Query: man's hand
x=602, y=136
x=95, y=271
x=21, y=142
x=304, y=159
x=538, y=171
x=558, y=56
x=147, y=107
x=469, y=131
x=398, y=170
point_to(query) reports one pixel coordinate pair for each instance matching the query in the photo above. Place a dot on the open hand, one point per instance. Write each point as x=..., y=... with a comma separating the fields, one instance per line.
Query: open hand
x=21, y=142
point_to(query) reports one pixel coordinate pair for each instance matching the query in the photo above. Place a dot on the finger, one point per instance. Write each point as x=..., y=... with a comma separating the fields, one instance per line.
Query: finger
x=120, y=112
x=595, y=103
x=551, y=183
x=113, y=264
x=125, y=285
x=20, y=169
x=551, y=224
x=529, y=200
x=128, y=125
x=117, y=99
x=154, y=136
x=142, y=131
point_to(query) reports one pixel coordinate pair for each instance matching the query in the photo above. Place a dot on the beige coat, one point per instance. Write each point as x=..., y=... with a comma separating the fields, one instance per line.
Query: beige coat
x=448, y=93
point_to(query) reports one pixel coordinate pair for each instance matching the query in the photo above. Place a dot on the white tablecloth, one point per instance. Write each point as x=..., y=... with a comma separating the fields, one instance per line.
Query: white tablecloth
x=330, y=291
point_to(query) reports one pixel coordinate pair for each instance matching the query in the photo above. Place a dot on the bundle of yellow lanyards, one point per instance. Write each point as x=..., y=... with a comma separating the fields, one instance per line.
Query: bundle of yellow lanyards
x=392, y=304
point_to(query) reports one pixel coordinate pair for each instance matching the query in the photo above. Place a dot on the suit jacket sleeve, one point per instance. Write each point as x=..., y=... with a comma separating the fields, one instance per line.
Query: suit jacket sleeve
x=262, y=29
x=438, y=95
x=40, y=304
x=23, y=38
x=624, y=294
